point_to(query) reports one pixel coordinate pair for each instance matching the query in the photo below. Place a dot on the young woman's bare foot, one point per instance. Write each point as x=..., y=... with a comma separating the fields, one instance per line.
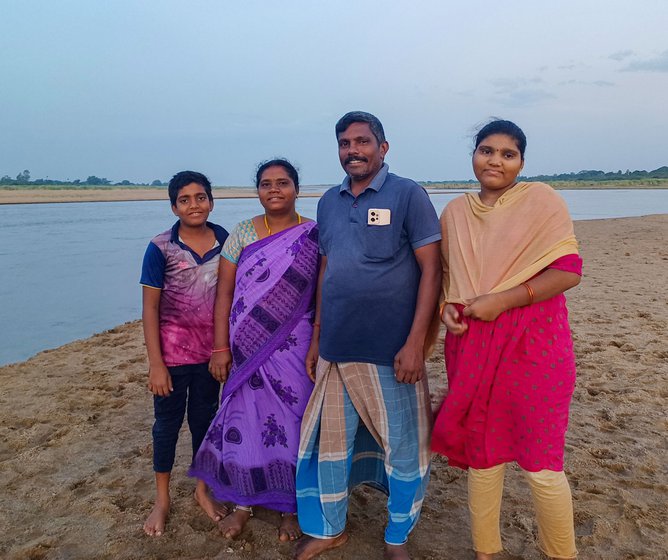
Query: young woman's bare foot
x=396, y=552
x=154, y=525
x=215, y=510
x=289, y=529
x=233, y=525
x=311, y=547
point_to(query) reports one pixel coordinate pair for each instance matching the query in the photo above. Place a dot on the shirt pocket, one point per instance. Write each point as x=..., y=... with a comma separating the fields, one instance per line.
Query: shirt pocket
x=379, y=243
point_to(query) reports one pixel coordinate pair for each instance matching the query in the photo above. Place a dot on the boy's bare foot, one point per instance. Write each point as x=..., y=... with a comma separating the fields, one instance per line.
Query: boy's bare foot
x=289, y=529
x=396, y=552
x=311, y=547
x=154, y=525
x=233, y=525
x=214, y=509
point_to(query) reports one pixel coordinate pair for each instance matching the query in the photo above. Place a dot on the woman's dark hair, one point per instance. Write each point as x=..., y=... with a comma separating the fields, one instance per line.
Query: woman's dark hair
x=184, y=178
x=499, y=126
x=290, y=169
x=361, y=117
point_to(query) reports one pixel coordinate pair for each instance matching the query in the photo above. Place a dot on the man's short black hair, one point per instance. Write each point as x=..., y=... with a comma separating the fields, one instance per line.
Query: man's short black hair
x=361, y=117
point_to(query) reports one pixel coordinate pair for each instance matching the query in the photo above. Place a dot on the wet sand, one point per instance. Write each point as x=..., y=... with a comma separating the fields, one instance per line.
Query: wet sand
x=75, y=443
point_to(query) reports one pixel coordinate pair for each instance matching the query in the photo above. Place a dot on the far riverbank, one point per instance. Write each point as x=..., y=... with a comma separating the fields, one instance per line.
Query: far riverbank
x=28, y=194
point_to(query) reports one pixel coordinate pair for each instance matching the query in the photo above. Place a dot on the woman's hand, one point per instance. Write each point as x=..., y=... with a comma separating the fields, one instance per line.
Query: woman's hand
x=452, y=322
x=486, y=308
x=220, y=365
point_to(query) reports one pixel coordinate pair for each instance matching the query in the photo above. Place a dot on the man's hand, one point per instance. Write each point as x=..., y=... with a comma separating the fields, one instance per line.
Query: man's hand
x=159, y=381
x=220, y=365
x=311, y=360
x=452, y=320
x=409, y=363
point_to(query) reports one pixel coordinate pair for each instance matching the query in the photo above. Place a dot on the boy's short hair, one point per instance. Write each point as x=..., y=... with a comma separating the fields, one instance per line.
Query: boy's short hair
x=184, y=178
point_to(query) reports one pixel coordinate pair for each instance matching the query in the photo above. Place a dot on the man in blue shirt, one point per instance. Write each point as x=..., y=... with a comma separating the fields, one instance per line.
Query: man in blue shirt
x=377, y=294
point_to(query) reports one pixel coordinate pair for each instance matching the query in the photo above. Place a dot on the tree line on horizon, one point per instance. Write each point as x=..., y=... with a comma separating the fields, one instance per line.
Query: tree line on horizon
x=23, y=178
x=585, y=175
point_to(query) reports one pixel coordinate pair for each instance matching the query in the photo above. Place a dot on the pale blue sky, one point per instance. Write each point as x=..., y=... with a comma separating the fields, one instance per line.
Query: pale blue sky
x=135, y=90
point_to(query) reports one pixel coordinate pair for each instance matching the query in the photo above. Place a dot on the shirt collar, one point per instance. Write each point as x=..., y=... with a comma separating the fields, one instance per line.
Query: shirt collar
x=218, y=231
x=375, y=184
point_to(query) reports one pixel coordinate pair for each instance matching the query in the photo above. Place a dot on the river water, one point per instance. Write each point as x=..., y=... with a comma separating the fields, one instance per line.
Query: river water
x=69, y=270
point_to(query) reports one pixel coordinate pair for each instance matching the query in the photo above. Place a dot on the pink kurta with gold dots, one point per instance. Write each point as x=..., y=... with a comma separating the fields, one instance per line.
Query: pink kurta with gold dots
x=510, y=383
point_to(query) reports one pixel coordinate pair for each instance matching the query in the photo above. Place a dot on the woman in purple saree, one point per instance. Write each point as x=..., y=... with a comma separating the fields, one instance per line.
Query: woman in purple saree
x=263, y=324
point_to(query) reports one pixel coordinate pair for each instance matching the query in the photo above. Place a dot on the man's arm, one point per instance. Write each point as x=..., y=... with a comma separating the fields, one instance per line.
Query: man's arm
x=314, y=348
x=409, y=361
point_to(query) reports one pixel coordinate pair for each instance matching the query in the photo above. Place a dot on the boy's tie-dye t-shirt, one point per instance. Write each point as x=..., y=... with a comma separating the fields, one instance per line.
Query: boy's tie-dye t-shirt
x=188, y=285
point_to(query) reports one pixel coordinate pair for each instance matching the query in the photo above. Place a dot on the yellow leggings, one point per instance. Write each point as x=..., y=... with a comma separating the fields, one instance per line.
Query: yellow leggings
x=552, y=501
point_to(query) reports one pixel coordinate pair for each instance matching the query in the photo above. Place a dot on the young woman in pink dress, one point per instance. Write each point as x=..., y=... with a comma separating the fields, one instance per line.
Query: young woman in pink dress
x=509, y=254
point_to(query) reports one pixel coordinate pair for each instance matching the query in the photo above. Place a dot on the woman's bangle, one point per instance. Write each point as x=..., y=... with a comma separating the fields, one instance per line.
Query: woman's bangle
x=227, y=349
x=529, y=291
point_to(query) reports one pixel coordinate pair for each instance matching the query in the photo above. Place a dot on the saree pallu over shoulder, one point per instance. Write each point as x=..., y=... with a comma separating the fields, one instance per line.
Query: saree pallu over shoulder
x=249, y=454
x=275, y=285
x=490, y=249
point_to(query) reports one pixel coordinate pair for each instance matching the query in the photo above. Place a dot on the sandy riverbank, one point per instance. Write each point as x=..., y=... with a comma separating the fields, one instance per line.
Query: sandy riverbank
x=75, y=452
x=111, y=194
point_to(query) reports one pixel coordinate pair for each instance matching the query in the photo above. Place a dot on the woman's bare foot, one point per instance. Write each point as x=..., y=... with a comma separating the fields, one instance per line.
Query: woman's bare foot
x=154, y=525
x=311, y=547
x=214, y=509
x=396, y=552
x=289, y=529
x=233, y=525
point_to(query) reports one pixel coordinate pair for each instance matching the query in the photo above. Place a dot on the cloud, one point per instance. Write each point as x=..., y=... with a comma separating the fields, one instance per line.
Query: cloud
x=525, y=97
x=519, y=92
x=621, y=55
x=657, y=64
x=598, y=83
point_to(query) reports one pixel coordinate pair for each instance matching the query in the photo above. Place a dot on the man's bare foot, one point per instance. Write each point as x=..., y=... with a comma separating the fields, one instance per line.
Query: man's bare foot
x=154, y=525
x=289, y=529
x=311, y=547
x=396, y=552
x=233, y=525
x=214, y=509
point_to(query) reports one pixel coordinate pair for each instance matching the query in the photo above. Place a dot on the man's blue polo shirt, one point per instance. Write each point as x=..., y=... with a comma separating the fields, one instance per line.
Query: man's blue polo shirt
x=371, y=281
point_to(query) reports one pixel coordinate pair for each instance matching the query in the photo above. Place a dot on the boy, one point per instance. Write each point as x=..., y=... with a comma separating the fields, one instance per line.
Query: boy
x=179, y=275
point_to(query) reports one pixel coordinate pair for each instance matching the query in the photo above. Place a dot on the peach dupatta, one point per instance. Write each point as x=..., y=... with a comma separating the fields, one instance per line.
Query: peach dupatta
x=488, y=249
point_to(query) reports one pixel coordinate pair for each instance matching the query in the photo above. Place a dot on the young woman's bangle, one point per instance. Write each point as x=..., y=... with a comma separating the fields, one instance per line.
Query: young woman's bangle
x=529, y=291
x=227, y=349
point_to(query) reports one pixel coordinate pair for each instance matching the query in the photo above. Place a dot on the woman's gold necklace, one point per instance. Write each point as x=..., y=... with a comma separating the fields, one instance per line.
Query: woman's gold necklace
x=266, y=225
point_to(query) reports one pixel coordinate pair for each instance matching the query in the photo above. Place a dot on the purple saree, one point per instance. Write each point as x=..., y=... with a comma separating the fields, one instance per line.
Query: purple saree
x=249, y=454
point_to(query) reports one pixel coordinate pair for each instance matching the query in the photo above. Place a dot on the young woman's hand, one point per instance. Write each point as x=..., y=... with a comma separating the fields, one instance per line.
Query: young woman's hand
x=451, y=319
x=159, y=381
x=485, y=308
x=220, y=365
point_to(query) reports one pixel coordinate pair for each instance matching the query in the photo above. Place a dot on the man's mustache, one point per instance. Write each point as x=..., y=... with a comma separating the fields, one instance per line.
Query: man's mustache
x=350, y=159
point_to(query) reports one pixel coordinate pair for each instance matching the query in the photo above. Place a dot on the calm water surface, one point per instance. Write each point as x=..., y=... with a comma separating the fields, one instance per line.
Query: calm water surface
x=70, y=270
